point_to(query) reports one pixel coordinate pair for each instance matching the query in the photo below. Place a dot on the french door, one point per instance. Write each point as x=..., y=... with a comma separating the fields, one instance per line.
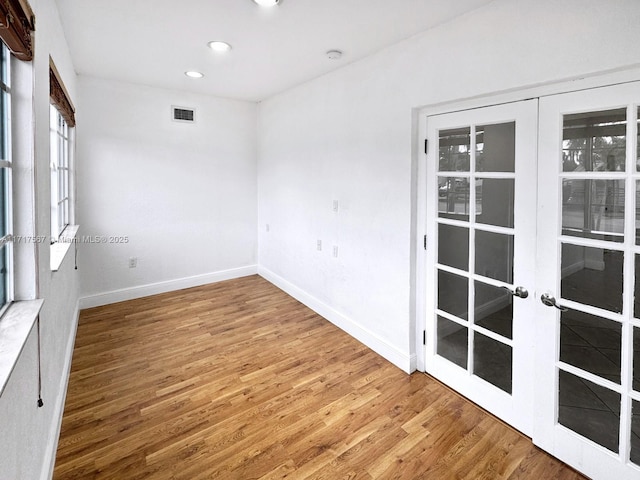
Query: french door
x=533, y=270
x=481, y=208
x=588, y=257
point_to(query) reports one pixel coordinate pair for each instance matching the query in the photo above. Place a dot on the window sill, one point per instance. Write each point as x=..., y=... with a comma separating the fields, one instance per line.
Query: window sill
x=15, y=326
x=61, y=247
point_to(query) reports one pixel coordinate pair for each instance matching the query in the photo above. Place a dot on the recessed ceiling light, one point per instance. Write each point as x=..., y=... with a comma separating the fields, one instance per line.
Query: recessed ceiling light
x=334, y=54
x=218, y=46
x=267, y=3
x=194, y=74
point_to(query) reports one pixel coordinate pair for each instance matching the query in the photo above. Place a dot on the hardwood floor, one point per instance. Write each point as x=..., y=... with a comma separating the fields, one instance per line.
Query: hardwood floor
x=237, y=380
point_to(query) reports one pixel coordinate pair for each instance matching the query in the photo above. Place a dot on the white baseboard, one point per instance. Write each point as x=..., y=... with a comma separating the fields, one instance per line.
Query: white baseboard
x=573, y=268
x=597, y=265
x=164, y=287
x=58, y=408
x=413, y=363
x=400, y=359
x=491, y=307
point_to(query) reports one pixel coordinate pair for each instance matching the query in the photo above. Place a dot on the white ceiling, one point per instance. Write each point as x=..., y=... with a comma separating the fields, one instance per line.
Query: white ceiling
x=153, y=42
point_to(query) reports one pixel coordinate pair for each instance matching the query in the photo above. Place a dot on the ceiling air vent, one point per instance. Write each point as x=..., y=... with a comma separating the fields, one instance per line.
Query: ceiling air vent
x=183, y=114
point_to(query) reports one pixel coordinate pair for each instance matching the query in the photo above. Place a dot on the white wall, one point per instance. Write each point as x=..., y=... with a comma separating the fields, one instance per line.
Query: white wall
x=29, y=434
x=183, y=194
x=348, y=136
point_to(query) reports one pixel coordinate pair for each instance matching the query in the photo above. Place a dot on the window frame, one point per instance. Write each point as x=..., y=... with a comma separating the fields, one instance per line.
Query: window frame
x=60, y=152
x=7, y=240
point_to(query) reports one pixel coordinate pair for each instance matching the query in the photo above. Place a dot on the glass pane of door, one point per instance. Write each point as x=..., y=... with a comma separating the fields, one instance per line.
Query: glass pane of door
x=590, y=410
x=592, y=276
x=635, y=433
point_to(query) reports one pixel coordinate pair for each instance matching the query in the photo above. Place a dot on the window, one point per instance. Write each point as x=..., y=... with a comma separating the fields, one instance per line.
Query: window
x=19, y=307
x=62, y=120
x=6, y=239
x=60, y=174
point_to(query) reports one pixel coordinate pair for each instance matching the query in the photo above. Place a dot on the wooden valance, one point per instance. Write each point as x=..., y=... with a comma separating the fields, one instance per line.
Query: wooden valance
x=60, y=98
x=16, y=24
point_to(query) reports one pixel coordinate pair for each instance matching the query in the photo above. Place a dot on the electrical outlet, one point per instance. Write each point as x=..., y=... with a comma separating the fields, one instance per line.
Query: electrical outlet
x=335, y=251
x=336, y=205
x=319, y=245
x=133, y=262
x=267, y=228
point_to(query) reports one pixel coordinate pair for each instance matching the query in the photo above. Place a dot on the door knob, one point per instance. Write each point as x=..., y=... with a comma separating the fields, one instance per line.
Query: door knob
x=518, y=292
x=550, y=301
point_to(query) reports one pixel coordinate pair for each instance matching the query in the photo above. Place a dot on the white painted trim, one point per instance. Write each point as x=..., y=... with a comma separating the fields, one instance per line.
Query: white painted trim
x=58, y=409
x=413, y=362
x=526, y=92
x=419, y=204
x=597, y=265
x=573, y=268
x=490, y=307
x=59, y=249
x=402, y=360
x=163, y=287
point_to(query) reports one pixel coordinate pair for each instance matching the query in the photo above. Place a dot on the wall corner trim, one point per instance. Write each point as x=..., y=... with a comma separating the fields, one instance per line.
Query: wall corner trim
x=400, y=359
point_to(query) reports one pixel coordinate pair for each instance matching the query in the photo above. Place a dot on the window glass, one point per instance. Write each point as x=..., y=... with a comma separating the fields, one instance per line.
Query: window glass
x=454, y=150
x=60, y=171
x=594, y=141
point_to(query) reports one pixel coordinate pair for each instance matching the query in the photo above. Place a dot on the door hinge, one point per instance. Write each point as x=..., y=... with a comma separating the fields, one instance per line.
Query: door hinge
x=424, y=337
x=426, y=143
x=424, y=242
